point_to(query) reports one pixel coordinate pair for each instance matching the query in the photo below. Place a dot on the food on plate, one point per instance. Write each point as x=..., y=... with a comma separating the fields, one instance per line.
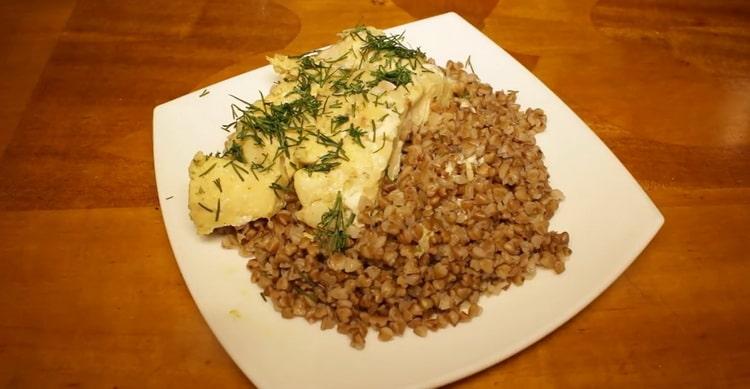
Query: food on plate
x=330, y=126
x=402, y=224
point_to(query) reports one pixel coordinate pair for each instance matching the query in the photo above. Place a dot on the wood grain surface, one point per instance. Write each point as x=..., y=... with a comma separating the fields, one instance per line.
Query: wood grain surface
x=91, y=296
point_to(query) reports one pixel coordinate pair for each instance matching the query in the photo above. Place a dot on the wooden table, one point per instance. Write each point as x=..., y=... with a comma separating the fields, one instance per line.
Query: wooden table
x=90, y=294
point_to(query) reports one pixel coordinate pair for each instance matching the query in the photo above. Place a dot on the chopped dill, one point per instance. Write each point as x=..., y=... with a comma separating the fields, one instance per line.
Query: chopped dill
x=356, y=133
x=339, y=120
x=236, y=108
x=205, y=207
x=399, y=76
x=237, y=169
x=468, y=63
x=205, y=92
x=321, y=167
x=309, y=281
x=307, y=294
x=235, y=151
x=339, y=59
x=276, y=187
x=259, y=165
x=392, y=45
x=305, y=54
x=273, y=120
x=218, y=209
x=338, y=147
x=239, y=99
x=381, y=146
x=208, y=170
x=342, y=88
x=217, y=182
x=310, y=63
x=331, y=231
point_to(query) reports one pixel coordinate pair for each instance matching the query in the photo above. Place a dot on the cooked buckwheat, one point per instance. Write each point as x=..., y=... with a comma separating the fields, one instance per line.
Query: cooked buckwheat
x=468, y=215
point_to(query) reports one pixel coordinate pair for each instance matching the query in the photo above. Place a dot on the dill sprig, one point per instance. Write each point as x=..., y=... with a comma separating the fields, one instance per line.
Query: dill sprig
x=234, y=151
x=331, y=159
x=272, y=121
x=331, y=231
x=259, y=166
x=470, y=65
x=391, y=44
x=305, y=54
x=338, y=151
x=339, y=59
x=306, y=293
x=208, y=170
x=381, y=146
x=237, y=169
x=339, y=120
x=356, y=133
x=276, y=187
x=400, y=76
x=309, y=62
x=343, y=88
x=217, y=182
x=321, y=166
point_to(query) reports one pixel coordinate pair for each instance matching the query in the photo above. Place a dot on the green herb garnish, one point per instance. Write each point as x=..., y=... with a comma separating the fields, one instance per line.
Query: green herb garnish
x=381, y=146
x=321, y=167
x=390, y=44
x=275, y=186
x=307, y=294
x=339, y=120
x=342, y=88
x=235, y=151
x=259, y=165
x=356, y=133
x=237, y=169
x=309, y=63
x=468, y=63
x=207, y=170
x=331, y=231
x=400, y=76
x=338, y=147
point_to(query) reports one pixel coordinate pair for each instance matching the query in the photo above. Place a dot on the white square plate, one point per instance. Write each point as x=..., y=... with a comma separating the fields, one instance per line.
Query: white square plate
x=609, y=217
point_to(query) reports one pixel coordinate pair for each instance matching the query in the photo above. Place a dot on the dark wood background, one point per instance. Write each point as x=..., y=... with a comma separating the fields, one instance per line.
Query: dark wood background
x=90, y=294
